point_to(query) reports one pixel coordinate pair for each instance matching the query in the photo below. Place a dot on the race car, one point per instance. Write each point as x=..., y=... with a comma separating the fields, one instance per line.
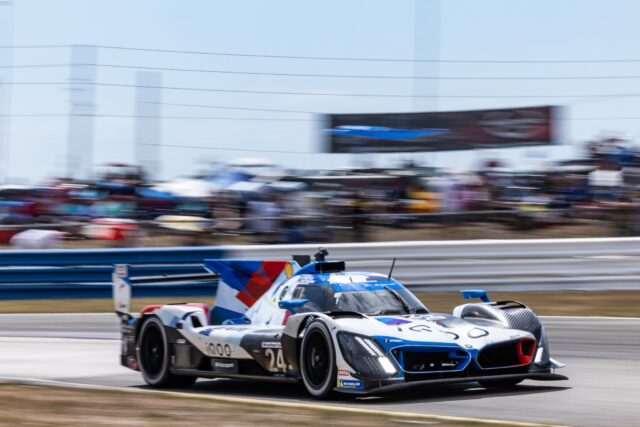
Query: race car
x=331, y=329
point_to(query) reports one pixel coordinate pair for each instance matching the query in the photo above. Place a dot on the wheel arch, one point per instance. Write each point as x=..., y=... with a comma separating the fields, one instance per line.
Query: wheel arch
x=511, y=315
x=293, y=333
x=165, y=378
x=318, y=368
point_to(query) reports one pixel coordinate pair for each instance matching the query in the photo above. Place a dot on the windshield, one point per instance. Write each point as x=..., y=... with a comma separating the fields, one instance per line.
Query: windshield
x=371, y=302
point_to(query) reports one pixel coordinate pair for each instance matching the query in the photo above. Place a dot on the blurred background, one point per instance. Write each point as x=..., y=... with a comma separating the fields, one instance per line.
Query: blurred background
x=154, y=124
x=222, y=125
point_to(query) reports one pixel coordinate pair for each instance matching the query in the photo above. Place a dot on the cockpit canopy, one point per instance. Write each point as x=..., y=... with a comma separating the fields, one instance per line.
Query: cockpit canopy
x=366, y=293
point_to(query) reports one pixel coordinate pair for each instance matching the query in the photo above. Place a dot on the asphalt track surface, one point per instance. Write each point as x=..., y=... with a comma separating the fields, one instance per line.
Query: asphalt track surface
x=602, y=357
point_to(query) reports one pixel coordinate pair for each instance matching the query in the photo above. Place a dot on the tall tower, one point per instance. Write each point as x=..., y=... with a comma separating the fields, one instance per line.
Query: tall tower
x=148, y=99
x=6, y=60
x=82, y=111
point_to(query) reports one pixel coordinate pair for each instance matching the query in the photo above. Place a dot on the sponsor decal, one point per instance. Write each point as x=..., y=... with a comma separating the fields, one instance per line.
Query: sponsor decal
x=224, y=366
x=351, y=384
x=306, y=279
x=231, y=328
x=220, y=365
x=344, y=373
x=431, y=317
x=288, y=270
x=271, y=344
x=515, y=124
x=392, y=321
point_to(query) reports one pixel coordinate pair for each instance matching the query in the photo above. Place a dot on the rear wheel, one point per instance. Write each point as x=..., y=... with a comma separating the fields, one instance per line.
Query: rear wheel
x=318, y=360
x=153, y=357
x=500, y=383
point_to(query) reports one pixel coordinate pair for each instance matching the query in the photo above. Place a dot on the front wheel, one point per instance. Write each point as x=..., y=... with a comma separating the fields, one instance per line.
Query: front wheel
x=318, y=360
x=153, y=357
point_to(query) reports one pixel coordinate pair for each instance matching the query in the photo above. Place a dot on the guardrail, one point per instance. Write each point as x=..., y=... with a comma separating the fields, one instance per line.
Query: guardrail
x=103, y=290
x=76, y=273
x=79, y=257
x=514, y=265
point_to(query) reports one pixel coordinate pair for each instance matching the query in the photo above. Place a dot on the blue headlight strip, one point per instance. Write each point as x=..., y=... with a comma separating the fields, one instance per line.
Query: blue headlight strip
x=454, y=350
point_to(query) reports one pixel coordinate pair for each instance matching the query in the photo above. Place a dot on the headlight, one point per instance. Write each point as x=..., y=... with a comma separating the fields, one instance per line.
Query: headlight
x=365, y=356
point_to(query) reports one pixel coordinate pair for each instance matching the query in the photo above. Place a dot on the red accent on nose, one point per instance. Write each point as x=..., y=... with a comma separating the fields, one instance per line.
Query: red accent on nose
x=526, y=348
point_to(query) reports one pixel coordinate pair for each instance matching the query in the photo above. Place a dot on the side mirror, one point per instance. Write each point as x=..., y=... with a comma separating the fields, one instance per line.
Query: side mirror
x=475, y=293
x=292, y=304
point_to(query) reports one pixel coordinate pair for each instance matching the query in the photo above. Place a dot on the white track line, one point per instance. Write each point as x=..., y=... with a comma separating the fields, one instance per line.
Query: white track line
x=276, y=403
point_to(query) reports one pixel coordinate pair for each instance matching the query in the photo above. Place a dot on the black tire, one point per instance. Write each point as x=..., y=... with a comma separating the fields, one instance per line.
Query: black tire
x=318, y=360
x=153, y=357
x=500, y=383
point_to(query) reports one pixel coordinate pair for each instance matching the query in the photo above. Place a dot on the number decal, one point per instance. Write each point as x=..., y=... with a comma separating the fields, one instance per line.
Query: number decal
x=276, y=359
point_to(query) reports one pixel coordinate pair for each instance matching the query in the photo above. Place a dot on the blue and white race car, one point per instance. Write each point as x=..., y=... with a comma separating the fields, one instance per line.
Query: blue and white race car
x=331, y=329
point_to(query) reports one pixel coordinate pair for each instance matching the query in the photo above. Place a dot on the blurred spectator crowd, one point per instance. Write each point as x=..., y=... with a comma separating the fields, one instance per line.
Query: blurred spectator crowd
x=254, y=199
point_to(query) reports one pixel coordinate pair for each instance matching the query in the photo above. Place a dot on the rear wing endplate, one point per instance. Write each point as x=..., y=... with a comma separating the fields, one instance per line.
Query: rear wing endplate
x=121, y=290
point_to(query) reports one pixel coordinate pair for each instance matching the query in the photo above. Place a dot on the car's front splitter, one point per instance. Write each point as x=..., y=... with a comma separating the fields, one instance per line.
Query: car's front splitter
x=385, y=387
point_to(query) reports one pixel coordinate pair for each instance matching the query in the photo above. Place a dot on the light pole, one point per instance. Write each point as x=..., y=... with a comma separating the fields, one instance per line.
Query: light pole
x=426, y=46
x=82, y=110
x=148, y=123
x=6, y=60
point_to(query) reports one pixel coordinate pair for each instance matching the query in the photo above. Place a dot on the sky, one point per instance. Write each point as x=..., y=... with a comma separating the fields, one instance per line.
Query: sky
x=446, y=30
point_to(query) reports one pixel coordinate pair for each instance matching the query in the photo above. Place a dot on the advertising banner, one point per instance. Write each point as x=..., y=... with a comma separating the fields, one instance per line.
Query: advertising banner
x=439, y=131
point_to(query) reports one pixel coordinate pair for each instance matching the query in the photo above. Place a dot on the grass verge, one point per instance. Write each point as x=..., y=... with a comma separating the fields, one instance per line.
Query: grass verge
x=89, y=305
x=26, y=405
x=560, y=303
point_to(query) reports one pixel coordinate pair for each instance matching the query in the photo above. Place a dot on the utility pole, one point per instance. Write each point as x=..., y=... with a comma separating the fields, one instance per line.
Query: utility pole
x=6, y=60
x=82, y=111
x=148, y=135
x=427, y=18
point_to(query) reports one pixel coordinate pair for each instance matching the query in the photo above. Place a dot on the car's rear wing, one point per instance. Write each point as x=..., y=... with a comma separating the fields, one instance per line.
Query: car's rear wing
x=122, y=282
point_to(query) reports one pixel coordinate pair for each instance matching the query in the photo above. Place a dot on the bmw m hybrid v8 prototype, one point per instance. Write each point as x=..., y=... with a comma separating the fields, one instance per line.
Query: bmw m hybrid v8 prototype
x=331, y=329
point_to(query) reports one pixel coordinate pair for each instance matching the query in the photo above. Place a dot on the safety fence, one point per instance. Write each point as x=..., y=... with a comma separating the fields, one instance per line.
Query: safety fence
x=513, y=265
x=76, y=273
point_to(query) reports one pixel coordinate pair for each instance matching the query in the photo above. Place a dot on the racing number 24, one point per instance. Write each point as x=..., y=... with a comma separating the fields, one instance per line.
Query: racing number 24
x=276, y=359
